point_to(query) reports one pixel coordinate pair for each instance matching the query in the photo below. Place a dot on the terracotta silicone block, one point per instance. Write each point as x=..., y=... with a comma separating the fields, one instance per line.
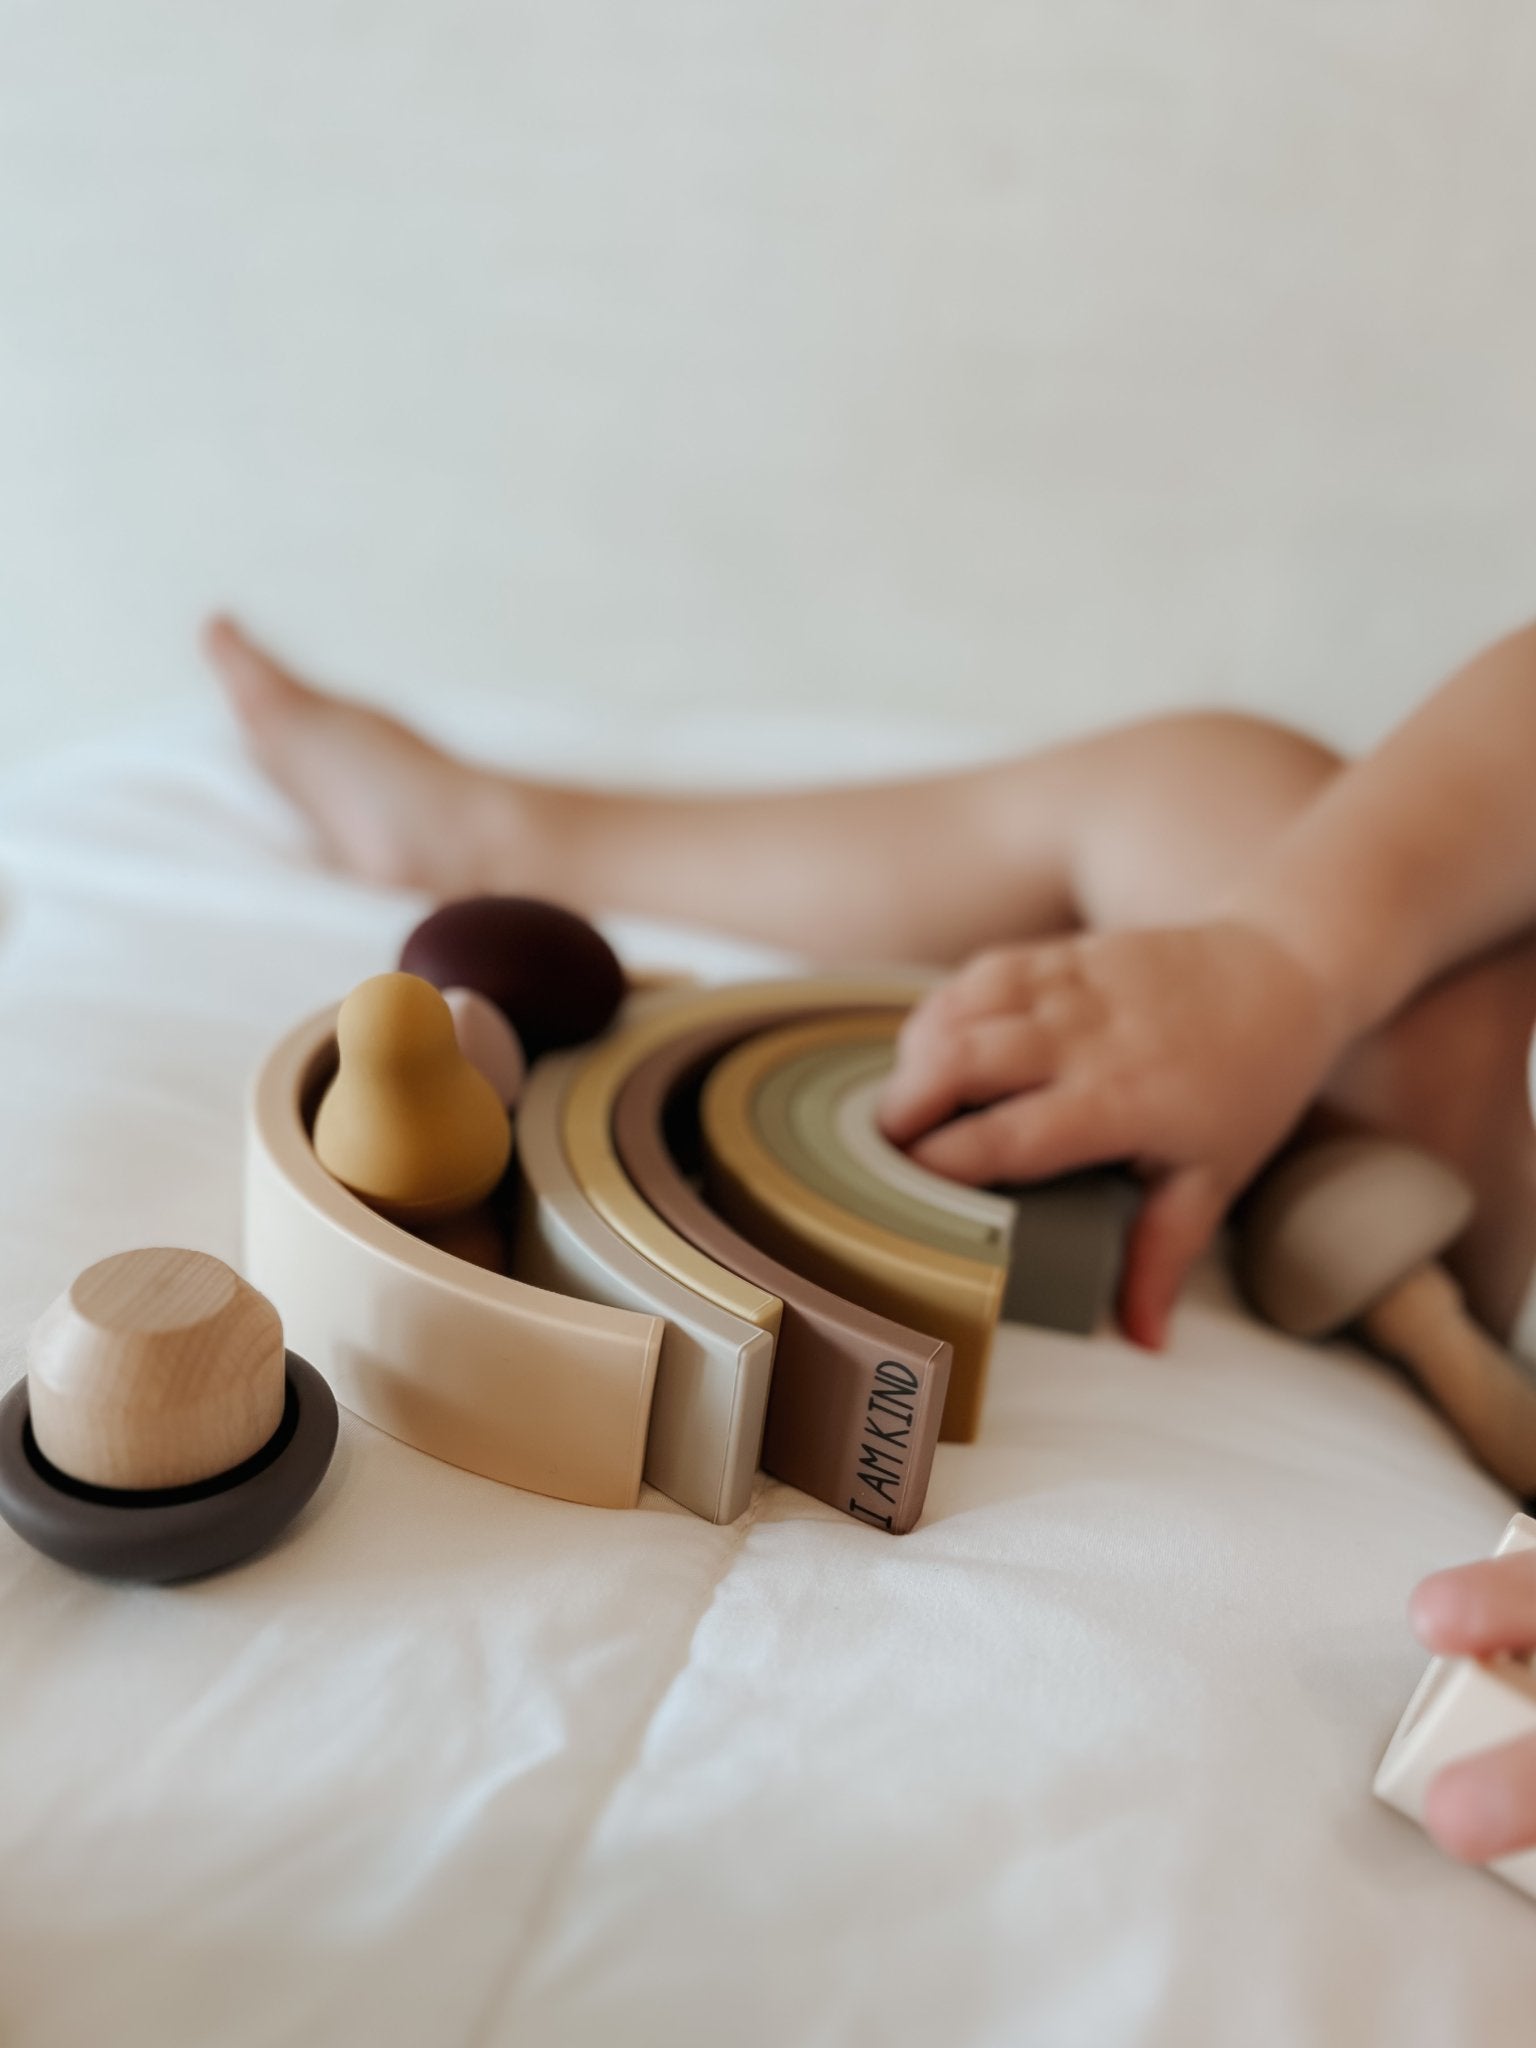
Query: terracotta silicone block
x=855, y=1401
x=713, y=1369
x=511, y=1381
x=1461, y=1705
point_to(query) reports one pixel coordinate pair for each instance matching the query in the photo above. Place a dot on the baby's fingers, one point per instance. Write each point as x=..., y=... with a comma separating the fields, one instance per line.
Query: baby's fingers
x=1175, y=1223
x=1474, y=1610
x=1001, y=979
x=1027, y=1137
x=1485, y=1806
x=941, y=1071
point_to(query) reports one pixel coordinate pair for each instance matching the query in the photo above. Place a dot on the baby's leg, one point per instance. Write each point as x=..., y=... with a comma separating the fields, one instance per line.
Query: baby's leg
x=384, y=804
x=936, y=867
x=930, y=868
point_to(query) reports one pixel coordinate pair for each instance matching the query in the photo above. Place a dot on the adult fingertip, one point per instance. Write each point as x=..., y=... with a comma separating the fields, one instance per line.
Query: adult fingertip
x=1463, y=1812
x=1427, y=1610
x=1472, y=1609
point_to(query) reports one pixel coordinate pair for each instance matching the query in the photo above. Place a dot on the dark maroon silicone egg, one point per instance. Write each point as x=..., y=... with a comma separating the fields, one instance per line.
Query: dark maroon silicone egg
x=554, y=975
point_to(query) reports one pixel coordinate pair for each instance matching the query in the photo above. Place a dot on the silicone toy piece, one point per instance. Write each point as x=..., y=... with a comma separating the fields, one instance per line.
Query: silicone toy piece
x=895, y=1275
x=854, y=1405
x=523, y=1386
x=1349, y=1231
x=587, y=1125
x=1462, y=1705
x=554, y=977
x=488, y=1042
x=407, y=1123
x=713, y=1370
x=162, y=1431
x=1068, y=1248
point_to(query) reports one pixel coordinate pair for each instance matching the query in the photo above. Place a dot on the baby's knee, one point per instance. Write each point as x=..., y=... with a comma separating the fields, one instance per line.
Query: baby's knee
x=1187, y=803
x=1253, y=746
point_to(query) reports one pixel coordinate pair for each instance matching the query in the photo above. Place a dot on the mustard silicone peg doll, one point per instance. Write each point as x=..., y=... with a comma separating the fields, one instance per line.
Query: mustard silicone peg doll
x=408, y=1123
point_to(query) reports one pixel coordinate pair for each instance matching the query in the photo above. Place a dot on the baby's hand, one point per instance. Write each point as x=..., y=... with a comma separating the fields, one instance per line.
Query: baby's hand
x=1189, y=1053
x=1485, y=1806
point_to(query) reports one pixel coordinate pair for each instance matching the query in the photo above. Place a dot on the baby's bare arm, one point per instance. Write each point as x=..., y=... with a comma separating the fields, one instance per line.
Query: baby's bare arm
x=1421, y=855
x=1136, y=824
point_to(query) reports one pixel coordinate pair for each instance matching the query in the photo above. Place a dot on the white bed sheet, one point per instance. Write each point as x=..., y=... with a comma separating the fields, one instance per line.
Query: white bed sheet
x=1085, y=1759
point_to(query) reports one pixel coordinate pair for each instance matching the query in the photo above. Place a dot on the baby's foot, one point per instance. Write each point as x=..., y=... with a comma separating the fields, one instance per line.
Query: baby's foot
x=385, y=805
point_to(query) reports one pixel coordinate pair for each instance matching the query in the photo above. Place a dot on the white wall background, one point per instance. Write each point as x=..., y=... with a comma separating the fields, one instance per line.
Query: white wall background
x=1016, y=360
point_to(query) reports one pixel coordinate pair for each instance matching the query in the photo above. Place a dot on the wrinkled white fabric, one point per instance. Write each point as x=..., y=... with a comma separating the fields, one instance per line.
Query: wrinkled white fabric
x=1085, y=1759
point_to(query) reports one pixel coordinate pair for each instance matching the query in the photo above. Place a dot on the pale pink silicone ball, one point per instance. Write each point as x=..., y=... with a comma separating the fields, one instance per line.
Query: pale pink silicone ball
x=488, y=1042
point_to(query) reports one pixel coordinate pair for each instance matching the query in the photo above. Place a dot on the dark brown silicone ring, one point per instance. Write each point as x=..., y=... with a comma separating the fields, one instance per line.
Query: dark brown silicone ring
x=177, y=1532
x=855, y=1403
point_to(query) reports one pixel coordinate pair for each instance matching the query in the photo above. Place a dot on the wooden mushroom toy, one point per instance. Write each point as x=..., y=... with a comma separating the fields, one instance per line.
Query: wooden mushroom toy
x=1348, y=1233
x=162, y=1430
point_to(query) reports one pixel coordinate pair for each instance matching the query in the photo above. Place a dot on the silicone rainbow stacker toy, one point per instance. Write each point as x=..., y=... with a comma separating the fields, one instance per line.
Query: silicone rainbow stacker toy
x=855, y=1400
x=162, y=1430
x=639, y=1329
